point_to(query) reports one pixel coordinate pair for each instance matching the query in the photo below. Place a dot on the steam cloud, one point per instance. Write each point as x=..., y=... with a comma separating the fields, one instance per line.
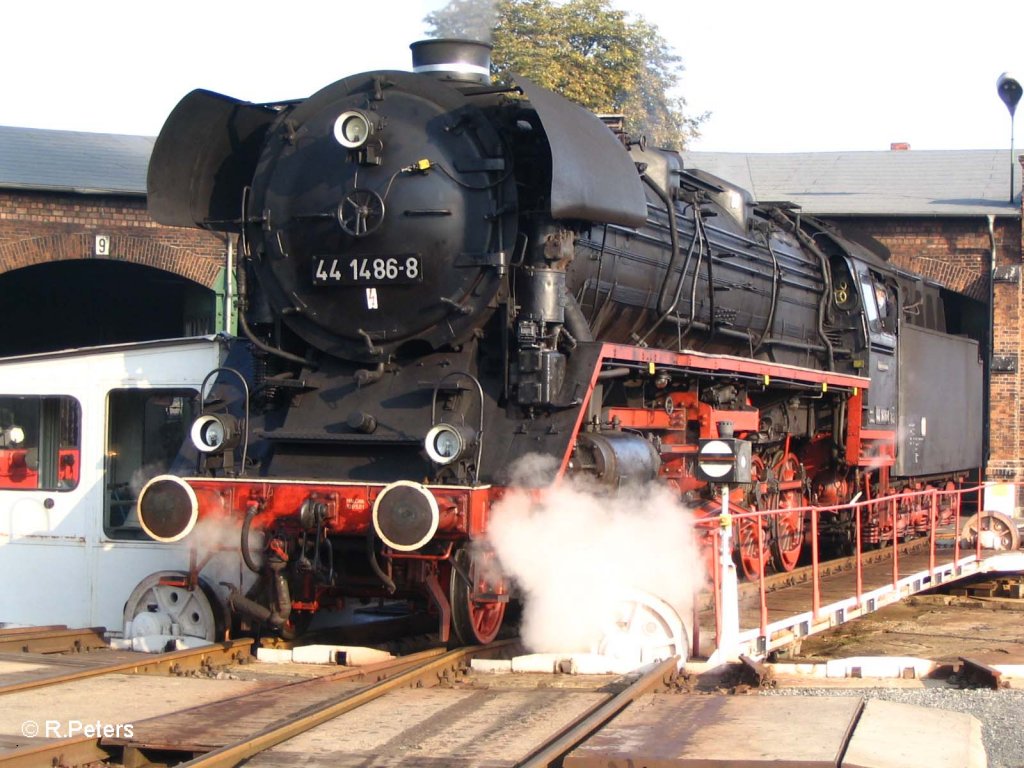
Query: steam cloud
x=573, y=551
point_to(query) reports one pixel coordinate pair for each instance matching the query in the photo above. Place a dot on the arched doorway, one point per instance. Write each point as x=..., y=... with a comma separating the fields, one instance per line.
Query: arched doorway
x=77, y=303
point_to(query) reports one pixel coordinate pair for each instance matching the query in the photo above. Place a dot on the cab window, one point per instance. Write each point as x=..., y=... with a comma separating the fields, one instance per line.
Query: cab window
x=145, y=430
x=40, y=442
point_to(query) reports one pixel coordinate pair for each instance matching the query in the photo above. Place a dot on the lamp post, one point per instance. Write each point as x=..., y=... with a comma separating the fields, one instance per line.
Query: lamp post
x=1010, y=92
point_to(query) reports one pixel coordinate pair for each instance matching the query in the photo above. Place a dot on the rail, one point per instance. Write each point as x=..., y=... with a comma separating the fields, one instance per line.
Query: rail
x=161, y=663
x=558, y=746
x=51, y=639
x=922, y=546
x=424, y=673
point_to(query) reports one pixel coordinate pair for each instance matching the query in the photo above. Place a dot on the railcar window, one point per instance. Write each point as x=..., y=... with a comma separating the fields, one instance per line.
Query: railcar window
x=145, y=430
x=40, y=442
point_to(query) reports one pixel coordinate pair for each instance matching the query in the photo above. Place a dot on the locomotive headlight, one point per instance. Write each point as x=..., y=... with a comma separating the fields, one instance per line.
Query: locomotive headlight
x=352, y=129
x=215, y=433
x=445, y=443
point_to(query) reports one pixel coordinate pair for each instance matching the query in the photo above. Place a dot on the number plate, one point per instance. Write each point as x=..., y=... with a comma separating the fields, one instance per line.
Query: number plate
x=367, y=270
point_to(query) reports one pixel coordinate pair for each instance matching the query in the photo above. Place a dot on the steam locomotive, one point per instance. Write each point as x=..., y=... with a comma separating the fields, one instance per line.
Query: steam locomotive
x=441, y=276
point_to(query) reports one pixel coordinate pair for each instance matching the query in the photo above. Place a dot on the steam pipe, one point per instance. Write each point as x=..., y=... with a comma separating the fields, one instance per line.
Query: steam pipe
x=244, y=325
x=776, y=279
x=371, y=555
x=229, y=271
x=575, y=321
x=826, y=276
x=673, y=236
x=282, y=594
x=711, y=297
x=671, y=268
x=600, y=269
x=242, y=604
x=698, y=221
x=244, y=544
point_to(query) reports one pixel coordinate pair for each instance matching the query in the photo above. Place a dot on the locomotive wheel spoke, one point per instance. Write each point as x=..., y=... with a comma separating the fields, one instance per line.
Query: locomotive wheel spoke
x=751, y=559
x=476, y=612
x=787, y=528
x=787, y=538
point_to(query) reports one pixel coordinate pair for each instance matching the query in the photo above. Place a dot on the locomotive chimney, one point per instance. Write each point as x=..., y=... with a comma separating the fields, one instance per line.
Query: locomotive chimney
x=467, y=60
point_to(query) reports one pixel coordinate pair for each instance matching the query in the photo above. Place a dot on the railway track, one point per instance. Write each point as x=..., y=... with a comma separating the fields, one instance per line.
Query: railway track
x=37, y=670
x=435, y=708
x=414, y=707
x=444, y=724
x=52, y=639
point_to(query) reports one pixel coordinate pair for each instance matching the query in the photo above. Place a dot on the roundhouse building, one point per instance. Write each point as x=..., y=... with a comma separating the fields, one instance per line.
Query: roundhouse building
x=81, y=262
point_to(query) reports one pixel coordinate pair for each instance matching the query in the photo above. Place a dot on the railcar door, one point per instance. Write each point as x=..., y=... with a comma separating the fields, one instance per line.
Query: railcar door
x=43, y=485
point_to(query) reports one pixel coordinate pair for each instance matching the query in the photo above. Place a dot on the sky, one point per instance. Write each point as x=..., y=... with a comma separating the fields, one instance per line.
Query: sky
x=774, y=75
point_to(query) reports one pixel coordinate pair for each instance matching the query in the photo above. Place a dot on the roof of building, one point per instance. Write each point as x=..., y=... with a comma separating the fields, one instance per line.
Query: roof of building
x=895, y=183
x=72, y=161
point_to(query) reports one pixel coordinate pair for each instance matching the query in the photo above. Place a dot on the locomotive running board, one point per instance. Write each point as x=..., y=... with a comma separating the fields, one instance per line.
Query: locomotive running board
x=766, y=374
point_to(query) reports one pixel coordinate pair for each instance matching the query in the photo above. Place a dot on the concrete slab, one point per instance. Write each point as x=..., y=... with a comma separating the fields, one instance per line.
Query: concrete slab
x=274, y=655
x=569, y=663
x=491, y=666
x=893, y=735
x=347, y=655
x=545, y=663
x=880, y=666
x=315, y=654
x=718, y=731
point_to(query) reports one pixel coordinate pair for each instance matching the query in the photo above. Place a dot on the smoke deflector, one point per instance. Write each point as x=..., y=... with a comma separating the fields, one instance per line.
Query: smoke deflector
x=593, y=177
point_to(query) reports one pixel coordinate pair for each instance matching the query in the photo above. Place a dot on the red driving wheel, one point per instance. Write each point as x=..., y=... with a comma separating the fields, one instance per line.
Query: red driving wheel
x=787, y=527
x=751, y=557
x=478, y=594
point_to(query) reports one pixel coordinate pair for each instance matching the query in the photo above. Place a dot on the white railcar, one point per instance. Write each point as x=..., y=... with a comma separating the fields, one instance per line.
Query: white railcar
x=81, y=432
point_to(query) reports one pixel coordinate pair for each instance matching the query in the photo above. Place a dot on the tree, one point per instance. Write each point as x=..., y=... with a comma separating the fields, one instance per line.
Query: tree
x=586, y=51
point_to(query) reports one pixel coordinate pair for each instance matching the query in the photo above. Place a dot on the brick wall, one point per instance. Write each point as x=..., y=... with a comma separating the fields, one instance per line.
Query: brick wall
x=37, y=227
x=1007, y=434
x=954, y=252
